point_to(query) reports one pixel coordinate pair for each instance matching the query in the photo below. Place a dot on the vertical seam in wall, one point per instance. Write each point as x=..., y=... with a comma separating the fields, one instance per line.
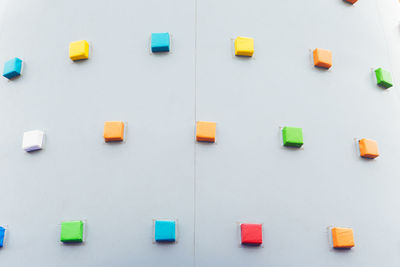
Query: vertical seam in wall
x=385, y=35
x=195, y=145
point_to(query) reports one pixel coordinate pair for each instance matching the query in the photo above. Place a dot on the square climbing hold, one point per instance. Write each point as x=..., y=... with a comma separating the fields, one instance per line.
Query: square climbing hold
x=32, y=140
x=205, y=131
x=160, y=42
x=113, y=131
x=12, y=68
x=322, y=58
x=383, y=78
x=368, y=148
x=244, y=46
x=79, y=50
x=292, y=136
x=72, y=232
x=164, y=231
x=251, y=234
x=2, y=236
x=342, y=237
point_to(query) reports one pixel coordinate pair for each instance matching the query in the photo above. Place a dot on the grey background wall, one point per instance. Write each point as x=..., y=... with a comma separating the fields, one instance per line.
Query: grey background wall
x=160, y=171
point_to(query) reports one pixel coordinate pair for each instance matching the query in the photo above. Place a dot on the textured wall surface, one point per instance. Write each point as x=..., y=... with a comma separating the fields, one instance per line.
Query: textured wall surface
x=160, y=171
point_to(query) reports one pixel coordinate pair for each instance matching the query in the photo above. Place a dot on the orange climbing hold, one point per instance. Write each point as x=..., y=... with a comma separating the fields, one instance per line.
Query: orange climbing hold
x=205, y=131
x=368, y=148
x=322, y=58
x=342, y=237
x=113, y=131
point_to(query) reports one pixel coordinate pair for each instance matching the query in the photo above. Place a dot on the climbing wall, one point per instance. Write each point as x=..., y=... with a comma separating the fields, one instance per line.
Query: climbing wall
x=160, y=171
